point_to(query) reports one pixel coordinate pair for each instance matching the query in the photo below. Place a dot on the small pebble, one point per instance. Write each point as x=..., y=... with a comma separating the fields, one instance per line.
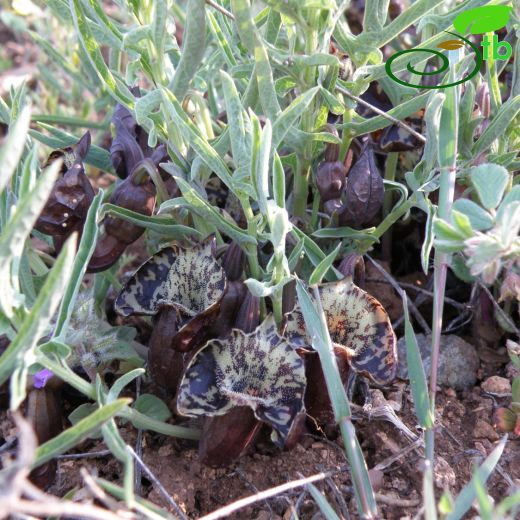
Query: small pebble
x=496, y=385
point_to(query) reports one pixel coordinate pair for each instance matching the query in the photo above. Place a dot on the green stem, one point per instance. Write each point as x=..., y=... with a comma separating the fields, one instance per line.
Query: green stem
x=142, y=421
x=390, y=169
x=388, y=222
x=250, y=249
x=67, y=375
x=302, y=175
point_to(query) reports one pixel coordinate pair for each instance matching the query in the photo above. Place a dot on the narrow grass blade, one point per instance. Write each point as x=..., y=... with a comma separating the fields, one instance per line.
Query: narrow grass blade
x=95, y=56
x=79, y=432
x=468, y=493
x=322, y=268
x=416, y=373
x=323, y=503
x=161, y=224
x=321, y=342
x=193, y=135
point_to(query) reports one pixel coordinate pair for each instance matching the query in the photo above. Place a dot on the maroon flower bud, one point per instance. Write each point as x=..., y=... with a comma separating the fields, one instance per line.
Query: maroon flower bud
x=248, y=316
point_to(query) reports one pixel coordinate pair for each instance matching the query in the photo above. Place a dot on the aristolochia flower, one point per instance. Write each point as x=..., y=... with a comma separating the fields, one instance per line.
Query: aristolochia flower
x=259, y=370
x=359, y=324
x=189, y=280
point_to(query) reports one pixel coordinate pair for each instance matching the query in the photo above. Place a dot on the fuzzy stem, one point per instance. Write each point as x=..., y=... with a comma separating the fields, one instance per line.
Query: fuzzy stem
x=302, y=175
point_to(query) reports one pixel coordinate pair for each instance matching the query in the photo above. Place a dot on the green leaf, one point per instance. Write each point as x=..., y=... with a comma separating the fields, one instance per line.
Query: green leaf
x=251, y=39
x=77, y=433
x=235, y=118
x=15, y=233
x=286, y=120
x=321, y=269
x=197, y=141
x=121, y=382
x=497, y=128
x=462, y=223
x=490, y=181
x=193, y=47
x=201, y=207
x=153, y=407
x=81, y=412
x=160, y=224
x=479, y=218
x=13, y=147
x=85, y=251
x=278, y=181
x=38, y=319
x=93, y=51
x=416, y=373
x=428, y=236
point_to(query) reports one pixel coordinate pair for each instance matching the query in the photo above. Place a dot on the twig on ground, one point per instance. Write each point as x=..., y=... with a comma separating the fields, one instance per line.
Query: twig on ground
x=386, y=463
x=382, y=113
x=88, y=455
x=158, y=484
x=338, y=498
x=395, y=285
x=97, y=492
x=268, y=493
x=405, y=285
x=252, y=487
x=138, y=448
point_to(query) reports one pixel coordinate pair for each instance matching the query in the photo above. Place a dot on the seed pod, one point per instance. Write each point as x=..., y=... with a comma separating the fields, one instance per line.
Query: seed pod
x=71, y=196
x=364, y=193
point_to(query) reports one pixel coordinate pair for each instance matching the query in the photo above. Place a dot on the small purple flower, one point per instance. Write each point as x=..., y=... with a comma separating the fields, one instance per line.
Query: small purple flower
x=41, y=377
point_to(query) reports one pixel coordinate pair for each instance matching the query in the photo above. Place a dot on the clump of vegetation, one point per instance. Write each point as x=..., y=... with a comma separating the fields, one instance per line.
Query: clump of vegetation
x=249, y=158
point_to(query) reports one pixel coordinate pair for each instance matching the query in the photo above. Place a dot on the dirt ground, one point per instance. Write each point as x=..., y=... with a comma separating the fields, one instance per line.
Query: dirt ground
x=465, y=436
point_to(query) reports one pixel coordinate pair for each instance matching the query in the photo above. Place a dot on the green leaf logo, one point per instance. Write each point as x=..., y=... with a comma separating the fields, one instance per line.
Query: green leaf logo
x=482, y=19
